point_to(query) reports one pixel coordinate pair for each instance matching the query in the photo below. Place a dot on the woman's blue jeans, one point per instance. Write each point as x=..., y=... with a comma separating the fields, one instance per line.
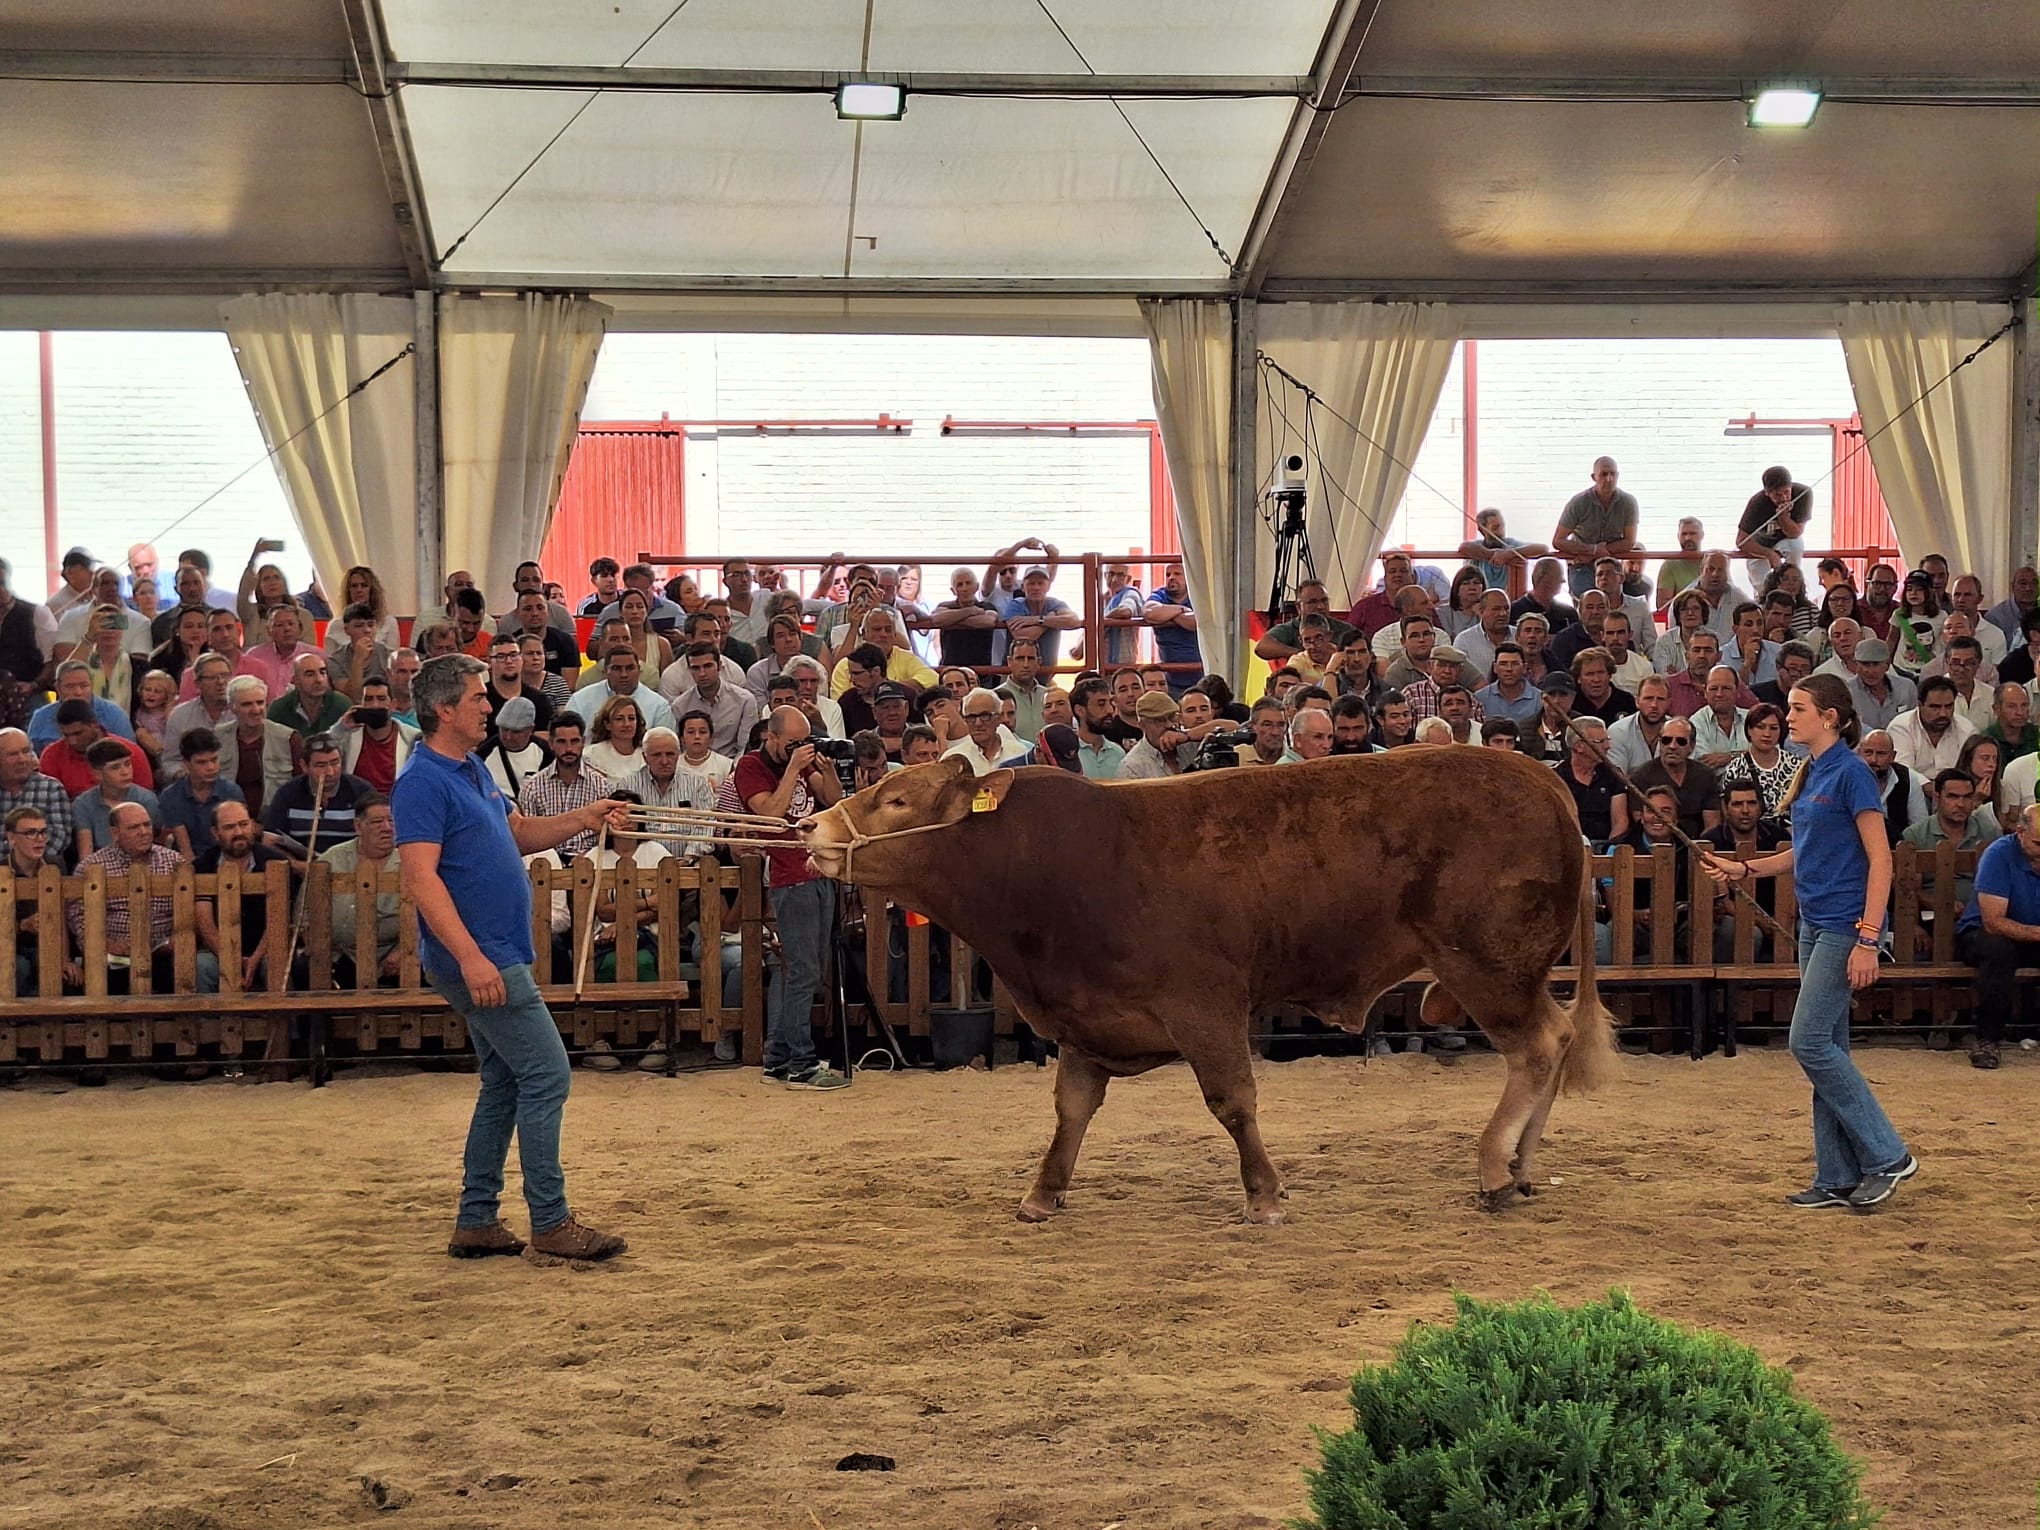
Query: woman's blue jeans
x=1852, y=1137
x=525, y=1077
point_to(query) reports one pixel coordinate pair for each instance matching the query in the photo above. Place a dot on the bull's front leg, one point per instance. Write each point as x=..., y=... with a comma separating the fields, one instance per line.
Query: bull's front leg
x=1227, y=1078
x=1079, y=1091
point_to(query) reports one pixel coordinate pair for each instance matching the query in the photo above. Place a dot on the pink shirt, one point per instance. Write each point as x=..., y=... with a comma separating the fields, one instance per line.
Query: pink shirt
x=274, y=669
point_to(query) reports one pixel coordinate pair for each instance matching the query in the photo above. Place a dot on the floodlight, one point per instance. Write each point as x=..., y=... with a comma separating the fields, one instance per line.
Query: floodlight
x=870, y=101
x=1790, y=106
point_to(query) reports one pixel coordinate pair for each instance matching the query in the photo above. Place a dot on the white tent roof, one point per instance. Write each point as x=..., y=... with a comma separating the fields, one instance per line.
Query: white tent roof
x=1579, y=148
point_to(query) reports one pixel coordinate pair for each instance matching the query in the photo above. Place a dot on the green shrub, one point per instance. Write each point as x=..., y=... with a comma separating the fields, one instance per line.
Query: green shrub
x=1601, y=1417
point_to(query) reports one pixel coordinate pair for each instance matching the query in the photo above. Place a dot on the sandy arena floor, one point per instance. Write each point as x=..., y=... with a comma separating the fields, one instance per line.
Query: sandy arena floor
x=229, y=1306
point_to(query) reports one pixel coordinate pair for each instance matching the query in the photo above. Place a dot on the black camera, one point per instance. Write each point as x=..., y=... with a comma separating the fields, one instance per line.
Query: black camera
x=834, y=748
x=1215, y=749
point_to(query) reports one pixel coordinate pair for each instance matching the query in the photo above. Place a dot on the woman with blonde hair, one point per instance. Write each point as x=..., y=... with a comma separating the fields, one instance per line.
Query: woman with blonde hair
x=362, y=586
x=616, y=739
x=1840, y=861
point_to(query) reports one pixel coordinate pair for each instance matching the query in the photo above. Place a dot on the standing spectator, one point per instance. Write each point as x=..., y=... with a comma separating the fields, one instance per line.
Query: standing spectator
x=114, y=773
x=1772, y=530
x=1676, y=574
x=461, y=844
x=784, y=778
x=1037, y=615
x=1841, y=869
x=1169, y=613
x=1023, y=687
x=2000, y=930
x=1595, y=522
x=966, y=623
x=186, y=806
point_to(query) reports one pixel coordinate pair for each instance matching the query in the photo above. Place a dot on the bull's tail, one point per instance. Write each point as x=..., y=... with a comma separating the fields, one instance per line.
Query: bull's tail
x=1591, y=1060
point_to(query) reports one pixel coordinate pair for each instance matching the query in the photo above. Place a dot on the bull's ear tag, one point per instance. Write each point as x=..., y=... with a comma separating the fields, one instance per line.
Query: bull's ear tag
x=984, y=801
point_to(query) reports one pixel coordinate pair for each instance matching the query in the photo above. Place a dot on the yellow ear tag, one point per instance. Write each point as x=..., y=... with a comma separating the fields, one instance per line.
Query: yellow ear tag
x=984, y=802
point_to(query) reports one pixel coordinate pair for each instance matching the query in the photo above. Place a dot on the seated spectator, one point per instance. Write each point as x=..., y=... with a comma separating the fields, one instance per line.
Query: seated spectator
x=1500, y=734
x=1793, y=664
x=1024, y=688
x=1633, y=741
x=2000, y=930
x=1929, y=738
x=66, y=760
x=176, y=652
x=265, y=754
x=374, y=744
x=517, y=751
x=1494, y=552
x=1905, y=801
x=1688, y=614
x=1631, y=667
x=1352, y=727
x=1695, y=788
x=1509, y=694
x=705, y=626
x=698, y=754
x=1656, y=820
x=921, y=746
x=782, y=641
x=1602, y=803
x=1456, y=705
x=1611, y=580
x=988, y=742
x=74, y=683
x=1954, y=820
x=1354, y=672
x=1547, y=579
x=896, y=660
x=1962, y=662
x=357, y=655
x=2018, y=663
x=1570, y=641
x=223, y=642
x=1476, y=645
x=185, y=808
x=275, y=662
x=28, y=834
x=1098, y=755
x=316, y=809
x=565, y=786
x=311, y=705
x=1056, y=711
x=2009, y=614
x=1533, y=636
x=1766, y=762
x=1748, y=829
x=1448, y=667
x=1398, y=723
x=23, y=785
x=133, y=844
x=890, y=706
x=1593, y=672
x=374, y=847
x=263, y=585
x=1878, y=694
x=1285, y=639
x=824, y=712
x=1746, y=650
x=613, y=746
x=2012, y=723
x=1550, y=736
x=1310, y=736
x=155, y=698
x=621, y=676
x=1689, y=685
x=1979, y=761
x=661, y=782
x=104, y=616
x=507, y=681
x=1377, y=609
x=1269, y=720
x=1168, y=613
x=435, y=639
x=362, y=586
x=238, y=842
x=1843, y=634
x=1159, y=751
x=604, y=575
x=1433, y=730
x=1416, y=651
x=1718, y=735
x=1411, y=600
x=113, y=770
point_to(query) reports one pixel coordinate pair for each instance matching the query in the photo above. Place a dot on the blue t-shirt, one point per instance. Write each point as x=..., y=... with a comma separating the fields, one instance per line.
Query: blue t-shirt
x=1176, y=645
x=1830, y=868
x=2004, y=872
x=456, y=805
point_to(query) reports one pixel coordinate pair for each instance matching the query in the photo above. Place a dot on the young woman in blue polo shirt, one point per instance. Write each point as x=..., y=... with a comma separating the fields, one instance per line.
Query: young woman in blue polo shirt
x=1840, y=862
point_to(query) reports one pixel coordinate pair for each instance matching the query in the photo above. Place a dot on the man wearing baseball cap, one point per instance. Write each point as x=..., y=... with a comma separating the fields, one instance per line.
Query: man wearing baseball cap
x=1155, y=755
x=889, y=706
x=1549, y=739
x=1878, y=694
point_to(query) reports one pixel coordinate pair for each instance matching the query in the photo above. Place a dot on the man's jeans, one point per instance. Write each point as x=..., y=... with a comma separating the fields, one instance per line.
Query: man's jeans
x=525, y=1077
x=1997, y=960
x=806, y=916
x=1852, y=1137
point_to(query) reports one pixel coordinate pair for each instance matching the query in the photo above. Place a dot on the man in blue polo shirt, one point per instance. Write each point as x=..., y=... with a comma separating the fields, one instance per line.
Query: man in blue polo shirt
x=462, y=843
x=2000, y=930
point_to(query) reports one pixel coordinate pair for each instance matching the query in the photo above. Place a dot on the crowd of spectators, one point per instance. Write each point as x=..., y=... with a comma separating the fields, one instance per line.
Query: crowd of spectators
x=148, y=715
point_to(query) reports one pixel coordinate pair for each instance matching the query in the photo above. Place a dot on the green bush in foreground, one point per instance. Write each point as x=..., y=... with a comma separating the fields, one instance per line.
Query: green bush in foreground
x=1601, y=1417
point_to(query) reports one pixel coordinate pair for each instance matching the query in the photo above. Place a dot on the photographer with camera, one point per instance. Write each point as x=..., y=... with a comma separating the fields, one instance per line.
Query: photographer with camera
x=1156, y=753
x=784, y=777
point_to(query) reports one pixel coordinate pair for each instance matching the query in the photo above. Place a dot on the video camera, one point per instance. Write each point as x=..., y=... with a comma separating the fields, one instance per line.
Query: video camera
x=1215, y=749
x=841, y=753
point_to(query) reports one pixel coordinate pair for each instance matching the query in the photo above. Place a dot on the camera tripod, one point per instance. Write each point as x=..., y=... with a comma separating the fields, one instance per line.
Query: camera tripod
x=1293, y=562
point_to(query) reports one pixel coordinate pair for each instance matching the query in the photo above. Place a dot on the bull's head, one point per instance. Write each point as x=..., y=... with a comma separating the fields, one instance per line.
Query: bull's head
x=868, y=834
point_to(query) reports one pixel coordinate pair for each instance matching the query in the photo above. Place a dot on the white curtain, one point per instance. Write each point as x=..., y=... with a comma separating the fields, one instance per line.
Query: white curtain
x=1190, y=348
x=1945, y=465
x=351, y=477
x=1381, y=365
x=513, y=372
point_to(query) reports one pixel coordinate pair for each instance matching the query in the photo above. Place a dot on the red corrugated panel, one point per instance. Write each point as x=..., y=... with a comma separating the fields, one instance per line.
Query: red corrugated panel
x=1861, y=518
x=625, y=489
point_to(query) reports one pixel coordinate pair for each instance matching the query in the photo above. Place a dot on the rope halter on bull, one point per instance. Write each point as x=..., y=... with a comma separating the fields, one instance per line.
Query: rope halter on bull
x=1701, y=853
x=751, y=831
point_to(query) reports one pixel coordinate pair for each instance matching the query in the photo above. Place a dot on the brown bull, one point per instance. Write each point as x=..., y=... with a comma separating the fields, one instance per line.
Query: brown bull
x=1137, y=922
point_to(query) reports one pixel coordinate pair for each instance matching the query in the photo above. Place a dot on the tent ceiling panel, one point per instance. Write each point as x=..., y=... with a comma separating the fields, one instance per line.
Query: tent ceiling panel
x=717, y=185
x=984, y=36
x=1757, y=37
x=175, y=177
x=1413, y=190
x=246, y=27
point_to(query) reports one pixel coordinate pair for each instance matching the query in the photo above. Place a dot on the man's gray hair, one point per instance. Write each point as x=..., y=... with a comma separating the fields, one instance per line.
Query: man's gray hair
x=801, y=663
x=73, y=667
x=1316, y=621
x=659, y=736
x=204, y=659
x=441, y=683
x=246, y=685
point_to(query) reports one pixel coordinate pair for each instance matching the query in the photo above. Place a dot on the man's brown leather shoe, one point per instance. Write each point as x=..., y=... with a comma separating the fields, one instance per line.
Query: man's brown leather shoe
x=480, y=1242
x=571, y=1240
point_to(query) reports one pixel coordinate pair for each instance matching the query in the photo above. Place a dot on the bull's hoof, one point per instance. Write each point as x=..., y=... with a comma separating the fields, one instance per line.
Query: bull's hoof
x=1492, y=1201
x=1264, y=1217
x=1038, y=1209
x=1525, y=1188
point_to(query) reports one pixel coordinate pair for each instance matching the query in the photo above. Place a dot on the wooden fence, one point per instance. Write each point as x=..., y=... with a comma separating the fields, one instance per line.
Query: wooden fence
x=1664, y=979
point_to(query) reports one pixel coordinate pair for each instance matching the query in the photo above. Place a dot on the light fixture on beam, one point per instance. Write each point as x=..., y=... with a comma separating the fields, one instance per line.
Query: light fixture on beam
x=870, y=101
x=1784, y=106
